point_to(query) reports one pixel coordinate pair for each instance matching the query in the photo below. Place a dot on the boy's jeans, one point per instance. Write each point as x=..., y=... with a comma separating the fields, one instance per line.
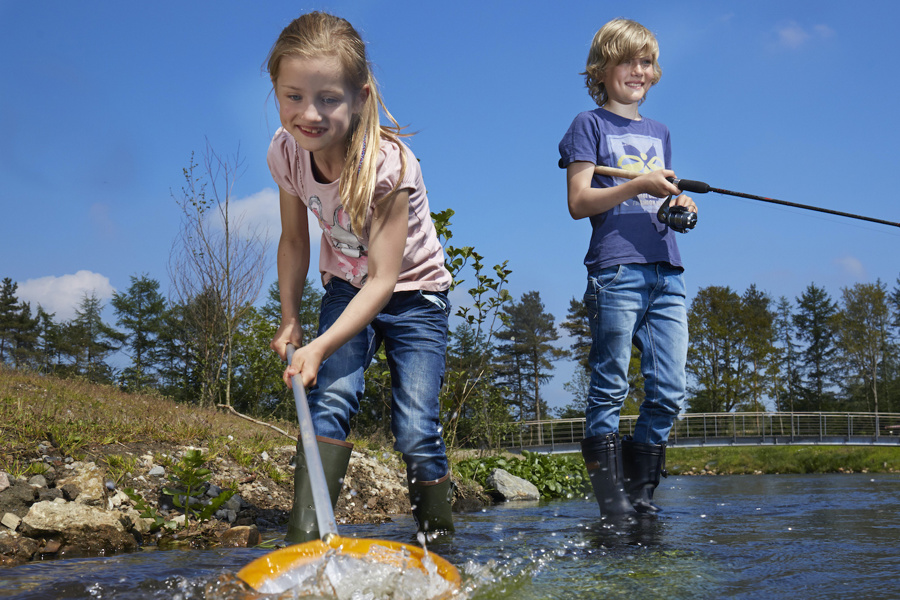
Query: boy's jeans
x=413, y=327
x=644, y=304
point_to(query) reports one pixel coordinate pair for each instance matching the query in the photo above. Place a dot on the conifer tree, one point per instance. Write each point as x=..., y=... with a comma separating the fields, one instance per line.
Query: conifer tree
x=528, y=353
x=814, y=321
x=141, y=312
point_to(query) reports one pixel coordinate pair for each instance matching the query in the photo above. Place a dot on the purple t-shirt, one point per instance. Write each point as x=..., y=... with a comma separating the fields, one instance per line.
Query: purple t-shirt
x=629, y=233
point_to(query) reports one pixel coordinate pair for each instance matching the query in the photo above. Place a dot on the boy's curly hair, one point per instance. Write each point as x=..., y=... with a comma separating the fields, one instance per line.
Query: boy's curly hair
x=618, y=41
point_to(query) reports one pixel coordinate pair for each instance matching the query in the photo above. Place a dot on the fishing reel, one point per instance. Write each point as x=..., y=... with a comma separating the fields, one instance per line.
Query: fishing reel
x=677, y=217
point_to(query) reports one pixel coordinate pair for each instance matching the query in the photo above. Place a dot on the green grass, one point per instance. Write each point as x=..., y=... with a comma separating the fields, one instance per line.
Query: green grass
x=85, y=420
x=783, y=459
x=82, y=419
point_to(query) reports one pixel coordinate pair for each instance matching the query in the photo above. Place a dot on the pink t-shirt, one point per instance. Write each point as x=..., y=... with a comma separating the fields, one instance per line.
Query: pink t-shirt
x=344, y=252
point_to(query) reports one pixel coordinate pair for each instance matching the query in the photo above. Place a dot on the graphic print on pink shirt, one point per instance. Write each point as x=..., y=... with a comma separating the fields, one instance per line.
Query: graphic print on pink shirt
x=353, y=255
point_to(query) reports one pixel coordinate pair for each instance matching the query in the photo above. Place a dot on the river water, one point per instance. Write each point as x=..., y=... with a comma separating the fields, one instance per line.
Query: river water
x=752, y=536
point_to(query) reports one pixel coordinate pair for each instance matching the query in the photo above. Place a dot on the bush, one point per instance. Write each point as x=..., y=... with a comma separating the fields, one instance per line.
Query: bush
x=555, y=475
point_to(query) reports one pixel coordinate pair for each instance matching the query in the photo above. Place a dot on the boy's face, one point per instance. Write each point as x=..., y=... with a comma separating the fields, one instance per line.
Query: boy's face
x=628, y=82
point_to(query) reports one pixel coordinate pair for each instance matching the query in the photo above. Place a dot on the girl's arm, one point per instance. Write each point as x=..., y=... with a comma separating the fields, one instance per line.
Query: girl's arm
x=293, y=266
x=387, y=241
x=586, y=201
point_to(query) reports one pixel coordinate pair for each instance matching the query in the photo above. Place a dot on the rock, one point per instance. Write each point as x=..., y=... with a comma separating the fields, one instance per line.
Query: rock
x=26, y=548
x=117, y=500
x=240, y=537
x=38, y=481
x=80, y=529
x=49, y=494
x=91, y=482
x=234, y=503
x=157, y=471
x=11, y=521
x=4, y=480
x=507, y=487
x=70, y=491
x=17, y=498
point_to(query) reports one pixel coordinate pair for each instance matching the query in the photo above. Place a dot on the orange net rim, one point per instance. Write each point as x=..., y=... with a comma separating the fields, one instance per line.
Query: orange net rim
x=273, y=564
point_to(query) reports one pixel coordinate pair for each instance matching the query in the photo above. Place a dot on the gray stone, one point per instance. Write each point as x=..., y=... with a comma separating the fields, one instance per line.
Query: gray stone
x=4, y=480
x=157, y=471
x=507, y=487
x=11, y=521
x=38, y=481
x=91, y=483
x=17, y=498
x=234, y=503
x=223, y=514
x=79, y=528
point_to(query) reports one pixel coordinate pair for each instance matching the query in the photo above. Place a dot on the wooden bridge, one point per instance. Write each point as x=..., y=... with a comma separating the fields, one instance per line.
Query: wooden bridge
x=693, y=430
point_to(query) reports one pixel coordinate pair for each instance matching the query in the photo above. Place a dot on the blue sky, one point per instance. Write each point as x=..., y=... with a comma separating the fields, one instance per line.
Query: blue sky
x=103, y=103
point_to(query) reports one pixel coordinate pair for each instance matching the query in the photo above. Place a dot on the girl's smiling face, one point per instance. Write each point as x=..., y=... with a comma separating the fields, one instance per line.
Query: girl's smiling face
x=316, y=106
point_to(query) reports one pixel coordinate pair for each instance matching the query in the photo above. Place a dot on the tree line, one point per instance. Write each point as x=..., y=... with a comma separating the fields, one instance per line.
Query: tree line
x=208, y=342
x=747, y=352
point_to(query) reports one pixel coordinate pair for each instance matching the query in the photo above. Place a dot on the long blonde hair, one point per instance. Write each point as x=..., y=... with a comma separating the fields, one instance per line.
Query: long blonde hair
x=316, y=35
x=618, y=41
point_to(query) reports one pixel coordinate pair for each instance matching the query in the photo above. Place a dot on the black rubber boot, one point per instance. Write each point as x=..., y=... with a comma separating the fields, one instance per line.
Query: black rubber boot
x=643, y=464
x=335, y=454
x=431, y=502
x=603, y=458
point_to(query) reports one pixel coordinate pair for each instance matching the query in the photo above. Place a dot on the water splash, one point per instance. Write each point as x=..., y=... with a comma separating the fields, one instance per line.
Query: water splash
x=380, y=574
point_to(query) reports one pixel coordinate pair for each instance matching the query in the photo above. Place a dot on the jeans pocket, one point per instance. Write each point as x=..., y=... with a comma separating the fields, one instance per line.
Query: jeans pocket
x=602, y=279
x=439, y=299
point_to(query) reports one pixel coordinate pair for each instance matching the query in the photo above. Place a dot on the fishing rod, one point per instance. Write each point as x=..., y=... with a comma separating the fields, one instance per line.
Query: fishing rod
x=699, y=187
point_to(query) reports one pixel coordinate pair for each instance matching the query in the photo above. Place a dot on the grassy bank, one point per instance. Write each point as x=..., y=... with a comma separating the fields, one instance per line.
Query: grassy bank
x=86, y=420
x=783, y=459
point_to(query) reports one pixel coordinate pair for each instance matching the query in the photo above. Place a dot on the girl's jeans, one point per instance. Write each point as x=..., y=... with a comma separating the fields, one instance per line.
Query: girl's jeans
x=644, y=305
x=413, y=328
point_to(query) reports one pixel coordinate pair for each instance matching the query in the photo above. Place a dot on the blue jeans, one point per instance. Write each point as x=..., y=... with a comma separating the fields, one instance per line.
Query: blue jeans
x=413, y=328
x=644, y=305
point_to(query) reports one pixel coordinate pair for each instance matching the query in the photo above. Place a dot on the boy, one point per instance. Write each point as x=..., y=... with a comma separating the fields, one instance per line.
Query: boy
x=635, y=291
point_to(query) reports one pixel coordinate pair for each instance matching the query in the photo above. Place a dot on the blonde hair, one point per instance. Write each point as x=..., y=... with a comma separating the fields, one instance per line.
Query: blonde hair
x=316, y=35
x=616, y=42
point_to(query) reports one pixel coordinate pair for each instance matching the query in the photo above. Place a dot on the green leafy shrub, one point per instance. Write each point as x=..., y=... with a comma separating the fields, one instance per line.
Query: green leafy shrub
x=188, y=478
x=555, y=476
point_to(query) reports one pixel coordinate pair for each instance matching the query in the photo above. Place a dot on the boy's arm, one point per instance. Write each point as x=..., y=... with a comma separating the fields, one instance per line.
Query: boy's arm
x=587, y=201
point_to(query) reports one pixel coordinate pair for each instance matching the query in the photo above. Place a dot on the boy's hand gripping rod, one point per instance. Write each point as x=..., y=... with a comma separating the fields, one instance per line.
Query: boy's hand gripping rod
x=698, y=187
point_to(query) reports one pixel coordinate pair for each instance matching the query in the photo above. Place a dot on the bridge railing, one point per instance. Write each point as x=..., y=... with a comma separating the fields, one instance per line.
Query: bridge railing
x=726, y=428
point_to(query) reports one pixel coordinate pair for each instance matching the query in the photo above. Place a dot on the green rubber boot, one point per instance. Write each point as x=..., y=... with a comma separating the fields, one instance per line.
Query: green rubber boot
x=430, y=502
x=335, y=454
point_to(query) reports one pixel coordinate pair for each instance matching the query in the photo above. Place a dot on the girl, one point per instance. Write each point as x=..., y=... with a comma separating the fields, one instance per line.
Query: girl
x=381, y=263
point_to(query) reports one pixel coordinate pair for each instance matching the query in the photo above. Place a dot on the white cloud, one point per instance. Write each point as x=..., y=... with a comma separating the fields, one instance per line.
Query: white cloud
x=793, y=35
x=62, y=295
x=260, y=212
x=851, y=267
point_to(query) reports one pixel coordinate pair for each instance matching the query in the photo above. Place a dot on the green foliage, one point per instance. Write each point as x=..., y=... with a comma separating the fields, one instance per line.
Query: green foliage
x=147, y=511
x=556, y=476
x=140, y=311
x=118, y=466
x=474, y=408
x=188, y=478
x=526, y=356
x=782, y=459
